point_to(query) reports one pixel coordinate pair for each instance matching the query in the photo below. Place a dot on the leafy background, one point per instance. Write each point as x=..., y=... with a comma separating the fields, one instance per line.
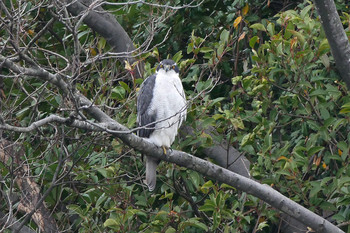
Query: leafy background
x=260, y=73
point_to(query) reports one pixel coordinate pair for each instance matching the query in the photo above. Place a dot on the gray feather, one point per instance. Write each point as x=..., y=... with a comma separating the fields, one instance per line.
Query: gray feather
x=151, y=172
x=144, y=100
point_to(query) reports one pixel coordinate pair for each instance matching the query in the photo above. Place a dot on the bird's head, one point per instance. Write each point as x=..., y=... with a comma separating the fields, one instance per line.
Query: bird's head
x=168, y=65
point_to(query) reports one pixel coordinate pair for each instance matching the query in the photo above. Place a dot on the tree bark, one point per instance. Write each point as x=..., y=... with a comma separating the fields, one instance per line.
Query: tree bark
x=13, y=224
x=336, y=36
x=30, y=191
x=223, y=154
x=107, y=26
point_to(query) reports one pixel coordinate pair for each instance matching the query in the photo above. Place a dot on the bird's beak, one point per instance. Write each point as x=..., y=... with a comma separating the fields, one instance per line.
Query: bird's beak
x=167, y=68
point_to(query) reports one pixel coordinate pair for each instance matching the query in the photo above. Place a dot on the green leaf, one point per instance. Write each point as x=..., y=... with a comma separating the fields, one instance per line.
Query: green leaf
x=258, y=26
x=75, y=209
x=220, y=50
x=305, y=10
x=237, y=123
x=103, y=172
x=100, y=200
x=342, y=181
x=325, y=61
x=194, y=223
x=177, y=56
x=253, y=41
x=227, y=186
x=208, y=122
x=208, y=185
x=170, y=230
x=110, y=223
x=314, y=150
x=324, y=113
x=267, y=143
x=224, y=36
x=342, y=145
x=195, y=178
x=216, y=100
x=206, y=50
x=207, y=207
x=167, y=196
x=316, y=188
x=300, y=37
x=280, y=49
x=345, y=108
x=101, y=43
x=190, y=48
x=245, y=139
x=318, y=92
x=325, y=205
x=125, y=86
x=216, y=220
x=118, y=93
x=287, y=33
x=271, y=29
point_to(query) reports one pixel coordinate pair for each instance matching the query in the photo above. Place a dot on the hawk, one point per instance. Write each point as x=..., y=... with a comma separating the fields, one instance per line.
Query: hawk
x=161, y=109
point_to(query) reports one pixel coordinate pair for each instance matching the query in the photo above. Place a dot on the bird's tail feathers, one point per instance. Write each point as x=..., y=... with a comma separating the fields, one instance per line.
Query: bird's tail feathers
x=151, y=172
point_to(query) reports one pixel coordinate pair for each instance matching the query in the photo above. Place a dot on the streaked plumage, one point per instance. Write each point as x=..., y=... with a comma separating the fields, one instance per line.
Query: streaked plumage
x=161, y=109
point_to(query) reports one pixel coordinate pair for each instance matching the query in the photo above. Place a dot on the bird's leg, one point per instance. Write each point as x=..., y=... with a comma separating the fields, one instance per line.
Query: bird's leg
x=164, y=149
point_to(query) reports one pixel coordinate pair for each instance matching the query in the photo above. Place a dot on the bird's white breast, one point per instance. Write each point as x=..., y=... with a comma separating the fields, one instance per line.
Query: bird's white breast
x=169, y=104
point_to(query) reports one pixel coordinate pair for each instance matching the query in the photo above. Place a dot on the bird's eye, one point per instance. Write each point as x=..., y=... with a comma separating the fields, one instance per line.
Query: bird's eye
x=161, y=66
x=173, y=67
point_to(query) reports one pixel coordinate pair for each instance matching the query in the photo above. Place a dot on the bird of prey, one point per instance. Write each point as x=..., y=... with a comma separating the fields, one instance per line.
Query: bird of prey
x=161, y=109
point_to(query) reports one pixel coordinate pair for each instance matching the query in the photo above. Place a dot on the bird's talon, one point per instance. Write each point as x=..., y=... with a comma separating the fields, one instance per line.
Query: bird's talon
x=164, y=149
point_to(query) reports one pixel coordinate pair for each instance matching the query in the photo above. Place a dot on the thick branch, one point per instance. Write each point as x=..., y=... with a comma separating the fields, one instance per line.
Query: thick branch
x=222, y=153
x=264, y=192
x=336, y=36
x=107, y=26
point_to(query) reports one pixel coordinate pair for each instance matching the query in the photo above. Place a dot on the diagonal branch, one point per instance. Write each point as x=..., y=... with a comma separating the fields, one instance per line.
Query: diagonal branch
x=263, y=192
x=107, y=26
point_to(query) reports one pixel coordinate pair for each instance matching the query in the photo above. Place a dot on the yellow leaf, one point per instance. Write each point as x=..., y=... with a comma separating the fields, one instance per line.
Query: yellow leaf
x=293, y=42
x=318, y=161
x=93, y=51
x=30, y=32
x=261, y=219
x=237, y=21
x=283, y=157
x=245, y=9
x=340, y=152
x=127, y=66
x=241, y=37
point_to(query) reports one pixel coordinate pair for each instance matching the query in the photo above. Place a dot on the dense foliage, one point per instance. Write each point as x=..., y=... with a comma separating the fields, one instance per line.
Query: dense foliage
x=262, y=75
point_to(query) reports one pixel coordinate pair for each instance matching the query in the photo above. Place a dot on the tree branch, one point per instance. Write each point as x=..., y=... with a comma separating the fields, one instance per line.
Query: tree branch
x=108, y=27
x=31, y=200
x=336, y=36
x=13, y=224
